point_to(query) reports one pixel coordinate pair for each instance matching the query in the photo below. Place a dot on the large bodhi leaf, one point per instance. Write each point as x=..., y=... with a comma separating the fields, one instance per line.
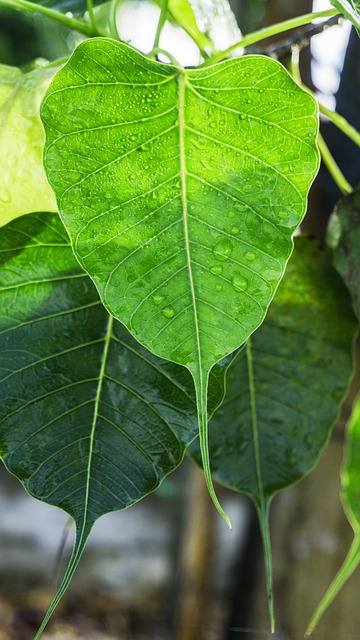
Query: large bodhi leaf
x=343, y=236
x=24, y=187
x=350, y=494
x=181, y=190
x=89, y=420
x=285, y=389
x=350, y=9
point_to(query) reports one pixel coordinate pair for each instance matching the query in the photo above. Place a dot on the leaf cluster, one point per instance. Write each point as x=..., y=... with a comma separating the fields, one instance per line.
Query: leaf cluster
x=152, y=286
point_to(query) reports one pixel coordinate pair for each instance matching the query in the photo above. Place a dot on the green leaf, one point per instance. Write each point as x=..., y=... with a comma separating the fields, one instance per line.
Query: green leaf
x=24, y=187
x=350, y=494
x=343, y=236
x=181, y=190
x=184, y=16
x=350, y=9
x=285, y=389
x=89, y=421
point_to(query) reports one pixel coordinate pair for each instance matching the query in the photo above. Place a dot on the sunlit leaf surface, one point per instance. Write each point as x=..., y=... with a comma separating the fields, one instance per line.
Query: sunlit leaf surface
x=180, y=190
x=23, y=187
x=89, y=421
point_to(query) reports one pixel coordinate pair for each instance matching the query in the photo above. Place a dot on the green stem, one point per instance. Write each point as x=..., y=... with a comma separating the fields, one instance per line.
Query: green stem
x=112, y=20
x=90, y=8
x=261, y=504
x=154, y=52
x=162, y=19
x=201, y=387
x=328, y=159
x=71, y=23
x=263, y=516
x=333, y=168
x=351, y=562
x=341, y=123
x=272, y=30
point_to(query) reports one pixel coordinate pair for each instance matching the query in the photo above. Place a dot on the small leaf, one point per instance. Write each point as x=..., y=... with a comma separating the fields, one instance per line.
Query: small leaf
x=89, y=421
x=350, y=494
x=24, y=187
x=343, y=236
x=184, y=187
x=350, y=9
x=285, y=389
x=184, y=16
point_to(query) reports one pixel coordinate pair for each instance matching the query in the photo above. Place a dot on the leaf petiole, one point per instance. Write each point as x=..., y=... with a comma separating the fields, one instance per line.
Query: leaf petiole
x=90, y=8
x=161, y=22
x=333, y=168
x=72, y=23
x=341, y=123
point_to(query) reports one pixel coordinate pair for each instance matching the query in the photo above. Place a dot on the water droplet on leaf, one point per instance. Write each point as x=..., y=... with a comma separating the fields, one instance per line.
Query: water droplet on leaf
x=223, y=249
x=168, y=312
x=239, y=283
x=217, y=270
x=157, y=298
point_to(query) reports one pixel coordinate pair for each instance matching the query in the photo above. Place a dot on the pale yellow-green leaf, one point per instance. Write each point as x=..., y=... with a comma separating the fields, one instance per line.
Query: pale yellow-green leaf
x=23, y=187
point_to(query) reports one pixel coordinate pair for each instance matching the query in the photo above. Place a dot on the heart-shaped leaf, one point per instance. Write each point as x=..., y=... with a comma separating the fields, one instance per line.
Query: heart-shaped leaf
x=350, y=494
x=285, y=389
x=343, y=236
x=350, y=9
x=89, y=421
x=180, y=190
x=24, y=187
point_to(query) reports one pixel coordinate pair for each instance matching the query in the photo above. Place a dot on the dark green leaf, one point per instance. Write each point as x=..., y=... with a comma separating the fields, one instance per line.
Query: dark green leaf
x=285, y=389
x=89, y=421
x=344, y=238
x=24, y=187
x=181, y=190
x=350, y=483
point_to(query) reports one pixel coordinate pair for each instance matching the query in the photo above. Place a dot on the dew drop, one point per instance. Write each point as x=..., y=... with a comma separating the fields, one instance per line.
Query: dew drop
x=235, y=230
x=243, y=116
x=168, y=312
x=218, y=287
x=223, y=249
x=217, y=270
x=157, y=298
x=249, y=255
x=239, y=283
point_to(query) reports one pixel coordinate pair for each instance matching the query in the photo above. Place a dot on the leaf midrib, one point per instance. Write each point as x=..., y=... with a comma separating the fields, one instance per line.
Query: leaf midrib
x=108, y=335
x=183, y=174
